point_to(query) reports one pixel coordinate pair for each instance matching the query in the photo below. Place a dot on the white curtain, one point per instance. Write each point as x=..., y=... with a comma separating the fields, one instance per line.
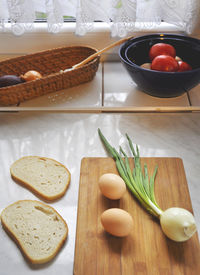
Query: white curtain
x=122, y=15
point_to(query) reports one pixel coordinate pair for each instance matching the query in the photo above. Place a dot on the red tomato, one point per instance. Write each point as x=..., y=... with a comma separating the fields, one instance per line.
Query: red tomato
x=164, y=63
x=161, y=49
x=183, y=66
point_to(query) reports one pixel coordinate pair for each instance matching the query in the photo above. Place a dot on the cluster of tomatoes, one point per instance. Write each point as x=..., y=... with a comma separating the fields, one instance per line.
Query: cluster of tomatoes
x=163, y=58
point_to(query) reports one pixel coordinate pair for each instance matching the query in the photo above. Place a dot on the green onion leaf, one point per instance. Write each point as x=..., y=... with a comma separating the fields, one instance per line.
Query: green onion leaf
x=137, y=180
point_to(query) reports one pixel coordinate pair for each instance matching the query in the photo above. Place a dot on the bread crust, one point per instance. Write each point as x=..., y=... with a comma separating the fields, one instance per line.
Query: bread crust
x=43, y=196
x=20, y=244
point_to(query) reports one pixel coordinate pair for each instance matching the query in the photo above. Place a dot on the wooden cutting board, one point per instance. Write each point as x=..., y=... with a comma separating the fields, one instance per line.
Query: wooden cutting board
x=146, y=251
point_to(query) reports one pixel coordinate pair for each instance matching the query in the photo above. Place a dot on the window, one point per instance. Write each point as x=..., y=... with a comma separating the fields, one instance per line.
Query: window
x=122, y=16
x=88, y=22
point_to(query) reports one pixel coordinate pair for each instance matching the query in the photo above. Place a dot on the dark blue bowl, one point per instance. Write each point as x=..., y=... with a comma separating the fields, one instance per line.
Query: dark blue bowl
x=134, y=53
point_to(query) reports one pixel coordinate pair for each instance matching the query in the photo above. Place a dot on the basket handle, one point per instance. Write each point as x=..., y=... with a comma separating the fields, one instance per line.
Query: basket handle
x=98, y=53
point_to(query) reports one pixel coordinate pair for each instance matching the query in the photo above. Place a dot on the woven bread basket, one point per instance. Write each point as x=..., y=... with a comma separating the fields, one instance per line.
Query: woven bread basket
x=49, y=63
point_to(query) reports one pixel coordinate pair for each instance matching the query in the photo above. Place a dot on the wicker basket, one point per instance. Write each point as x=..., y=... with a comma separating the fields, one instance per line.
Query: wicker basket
x=48, y=63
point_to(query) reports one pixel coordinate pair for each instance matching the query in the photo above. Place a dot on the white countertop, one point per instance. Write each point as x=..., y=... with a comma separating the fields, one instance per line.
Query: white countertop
x=70, y=137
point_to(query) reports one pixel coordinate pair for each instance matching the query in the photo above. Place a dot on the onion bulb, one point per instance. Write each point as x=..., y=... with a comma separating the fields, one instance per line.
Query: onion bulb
x=178, y=224
x=31, y=75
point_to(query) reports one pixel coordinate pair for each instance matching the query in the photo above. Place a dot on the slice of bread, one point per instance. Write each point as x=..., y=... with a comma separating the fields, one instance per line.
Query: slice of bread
x=37, y=228
x=46, y=177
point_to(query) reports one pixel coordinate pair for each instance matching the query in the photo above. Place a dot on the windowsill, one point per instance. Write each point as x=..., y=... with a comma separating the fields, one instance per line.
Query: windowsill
x=111, y=89
x=67, y=27
x=39, y=38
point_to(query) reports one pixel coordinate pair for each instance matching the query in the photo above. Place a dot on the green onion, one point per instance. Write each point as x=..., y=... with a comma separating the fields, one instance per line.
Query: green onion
x=137, y=181
x=178, y=224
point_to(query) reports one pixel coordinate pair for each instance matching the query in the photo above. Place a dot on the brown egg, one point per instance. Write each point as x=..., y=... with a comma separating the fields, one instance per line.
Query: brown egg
x=146, y=66
x=117, y=222
x=112, y=186
x=178, y=58
x=31, y=75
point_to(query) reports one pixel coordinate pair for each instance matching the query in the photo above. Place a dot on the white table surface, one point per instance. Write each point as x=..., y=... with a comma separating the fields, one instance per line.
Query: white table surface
x=70, y=137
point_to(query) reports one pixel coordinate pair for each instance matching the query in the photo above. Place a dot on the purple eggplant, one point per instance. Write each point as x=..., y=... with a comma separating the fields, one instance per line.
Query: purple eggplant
x=10, y=80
